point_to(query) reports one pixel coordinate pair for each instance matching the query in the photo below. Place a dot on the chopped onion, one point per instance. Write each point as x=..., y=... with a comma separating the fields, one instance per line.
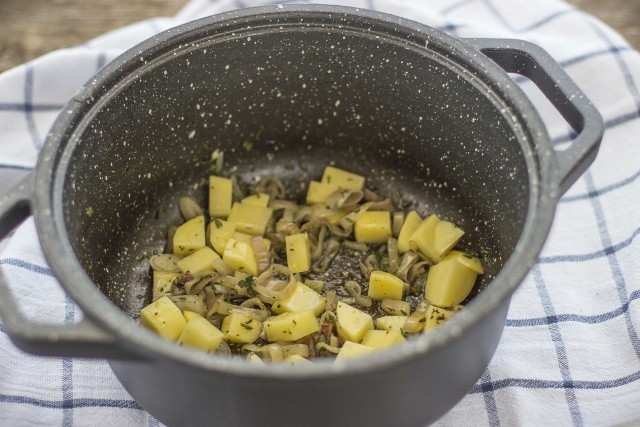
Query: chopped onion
x=316, y=285
x=370, y=196
x=356, y=246
x=221, y=267
x=324, y=346
x=354, y=289
x=407, y=260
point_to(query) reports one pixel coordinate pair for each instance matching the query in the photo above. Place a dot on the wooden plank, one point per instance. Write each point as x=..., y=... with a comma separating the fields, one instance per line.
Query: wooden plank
x=30, y=28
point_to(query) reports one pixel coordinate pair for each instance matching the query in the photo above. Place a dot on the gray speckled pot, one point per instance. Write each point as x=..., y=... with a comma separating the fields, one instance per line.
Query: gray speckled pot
x=406, y=105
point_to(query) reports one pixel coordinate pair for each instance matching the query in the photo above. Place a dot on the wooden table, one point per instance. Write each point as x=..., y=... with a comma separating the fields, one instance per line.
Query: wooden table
x=30, y=28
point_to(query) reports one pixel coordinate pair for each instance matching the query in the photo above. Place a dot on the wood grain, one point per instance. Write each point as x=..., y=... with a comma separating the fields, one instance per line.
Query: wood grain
x=30, y=28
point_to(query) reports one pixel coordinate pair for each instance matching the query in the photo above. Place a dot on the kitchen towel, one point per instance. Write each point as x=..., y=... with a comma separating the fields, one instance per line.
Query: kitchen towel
x=570, y=353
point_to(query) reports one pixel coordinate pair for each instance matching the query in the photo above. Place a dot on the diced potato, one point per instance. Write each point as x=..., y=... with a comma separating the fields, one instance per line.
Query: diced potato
x=382, y=339
x=302, y=298
x=193, y=303
x=373, y=227
x=244, y=237
x=338, y=178
x=318, y=192
x=291, y=326
x=435, y=316
x=383, y=285
x=240, y=257
x=240, y=328
x=391, y=323
x=296, y=359
x=189, y=315
x=250, y=219
x=351, y=349
x=298, y=252
x=201, y=334
x=352, y=323
x=162, y=283
x=260, y=199
x=189, y=237
x=411, y=222
x=163, y=317
x=198, y=261
x=450, y=281
x=254, y=358
x=219, y=232
x=434, y=238
x=220, y=196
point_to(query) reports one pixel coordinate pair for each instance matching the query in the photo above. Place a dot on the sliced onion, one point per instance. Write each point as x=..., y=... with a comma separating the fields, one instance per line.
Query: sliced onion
x=316, y=285
x=356, y=246
x=167, y=263
x=354, y=289
x=407, y=260
x=189, y=209
x=261, y=253
x=392, y=251
x=397, y=222
x=317, y=249
x=221, y=267
x=324, y=346
x=171, y=231
x=416, y=321
x=272, y=186
x=370, y=196
x=343, y=198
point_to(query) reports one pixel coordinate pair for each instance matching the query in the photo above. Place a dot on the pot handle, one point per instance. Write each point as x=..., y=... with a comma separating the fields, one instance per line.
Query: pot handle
x=530, y=60
x=83, y=339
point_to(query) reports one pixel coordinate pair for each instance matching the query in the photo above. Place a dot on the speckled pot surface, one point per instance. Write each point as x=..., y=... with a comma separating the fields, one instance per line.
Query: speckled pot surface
x=426, y=117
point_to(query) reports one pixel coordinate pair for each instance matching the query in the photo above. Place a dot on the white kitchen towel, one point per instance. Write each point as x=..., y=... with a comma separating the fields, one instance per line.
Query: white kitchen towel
x=570, y=353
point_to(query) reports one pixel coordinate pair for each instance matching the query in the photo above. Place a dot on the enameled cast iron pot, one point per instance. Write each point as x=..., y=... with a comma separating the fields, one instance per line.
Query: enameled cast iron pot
x=409, y=107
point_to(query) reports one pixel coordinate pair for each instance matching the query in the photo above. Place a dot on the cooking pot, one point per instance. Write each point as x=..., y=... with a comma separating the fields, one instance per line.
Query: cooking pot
x=414, y=110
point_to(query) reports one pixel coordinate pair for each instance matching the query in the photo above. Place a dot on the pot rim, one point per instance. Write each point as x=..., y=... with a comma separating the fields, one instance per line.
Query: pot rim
x=543, y=194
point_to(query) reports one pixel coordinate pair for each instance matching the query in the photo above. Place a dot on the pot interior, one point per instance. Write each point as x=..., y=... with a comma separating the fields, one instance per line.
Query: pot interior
x=359, y=95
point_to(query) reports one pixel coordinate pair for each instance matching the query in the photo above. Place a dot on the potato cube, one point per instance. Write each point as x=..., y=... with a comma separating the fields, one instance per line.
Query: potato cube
x=189, y=237
x=411, y=222
x=302, y=298
x=198, y=261
x=162, y=283
x=338, y=178
x=352, y=323
x=163, y=317
x=435, y=316
x=391, y=323
x=250, y=219
x=298, y=252
x=219, y=232
x=240, y=257
x=373, y=227
x=291, y=326
x=351, y=349
x=193, y=303
x=244, y=237
x=189, y=315
x=318, y=192
x=385, y=285
x=434, y=238
x=260, y=199
x=382, y=339
x=220, y=196
x=240, y=328
x=296, y=359
x=201, y=334
x=450, y=281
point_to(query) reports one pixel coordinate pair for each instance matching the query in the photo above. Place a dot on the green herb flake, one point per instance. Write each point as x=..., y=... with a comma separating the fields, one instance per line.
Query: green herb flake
x=289, y=167
x=206, y=147
x=141, y=256
x=247, y=327
x=217, y=222
x=303, y=166
x=247, y=145
x=259, y=133
x=90, y=212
